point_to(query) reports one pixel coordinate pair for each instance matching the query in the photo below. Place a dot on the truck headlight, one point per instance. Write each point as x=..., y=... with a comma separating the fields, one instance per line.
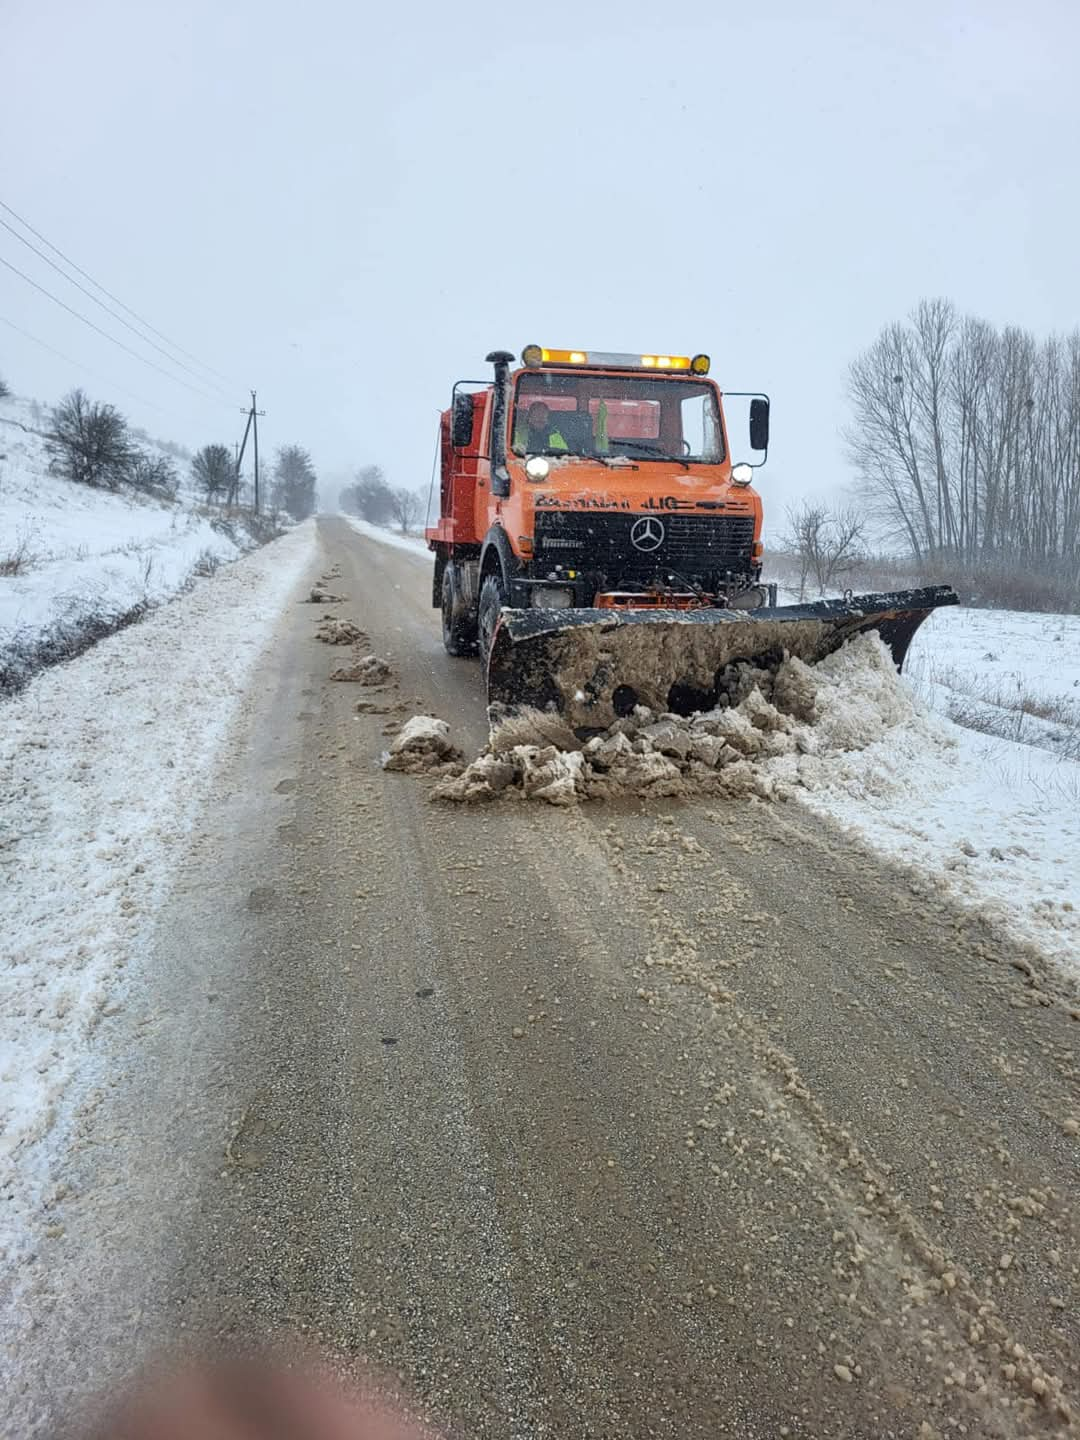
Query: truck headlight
x=537, y=468
x=742, y=474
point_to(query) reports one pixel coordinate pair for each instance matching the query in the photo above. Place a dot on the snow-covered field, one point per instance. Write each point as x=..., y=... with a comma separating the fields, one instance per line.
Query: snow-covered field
x=991, y=813
x=103, y=766
x=89, y=552
x=1005, y=673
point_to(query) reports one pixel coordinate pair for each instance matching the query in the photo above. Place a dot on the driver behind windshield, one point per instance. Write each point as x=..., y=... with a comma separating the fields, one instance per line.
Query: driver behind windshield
x=540, y=431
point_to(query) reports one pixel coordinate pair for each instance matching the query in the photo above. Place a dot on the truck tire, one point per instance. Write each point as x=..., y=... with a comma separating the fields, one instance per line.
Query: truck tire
x=492, y=599
x=458, y=629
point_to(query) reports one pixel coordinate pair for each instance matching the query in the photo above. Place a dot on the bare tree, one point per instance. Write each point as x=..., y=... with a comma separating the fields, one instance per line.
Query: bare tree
x=826, y=543
x=407, y=507
x=212, y=471
x=5, y=388
x=90, y=443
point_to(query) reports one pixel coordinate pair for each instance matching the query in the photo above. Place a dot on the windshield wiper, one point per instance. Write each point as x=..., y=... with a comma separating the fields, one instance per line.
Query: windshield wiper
x=648, y=453
x=612, y=461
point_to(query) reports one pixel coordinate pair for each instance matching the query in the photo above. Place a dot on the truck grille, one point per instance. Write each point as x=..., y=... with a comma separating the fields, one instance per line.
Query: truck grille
x=697, y=546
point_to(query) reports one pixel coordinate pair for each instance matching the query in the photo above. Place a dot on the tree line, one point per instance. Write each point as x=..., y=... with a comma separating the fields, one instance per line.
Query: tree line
x=373, y=500
x=966, y=441
x=291, y=480
x=91, y=443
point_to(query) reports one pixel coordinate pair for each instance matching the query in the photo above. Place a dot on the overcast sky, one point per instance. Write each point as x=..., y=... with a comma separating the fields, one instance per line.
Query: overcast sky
x=348, y=205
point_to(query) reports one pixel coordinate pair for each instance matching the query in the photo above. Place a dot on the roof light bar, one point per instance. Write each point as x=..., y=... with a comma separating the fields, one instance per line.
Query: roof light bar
x=537, y=355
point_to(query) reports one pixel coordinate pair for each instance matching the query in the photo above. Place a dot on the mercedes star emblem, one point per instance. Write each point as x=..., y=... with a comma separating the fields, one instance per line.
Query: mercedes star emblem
x=647, y=533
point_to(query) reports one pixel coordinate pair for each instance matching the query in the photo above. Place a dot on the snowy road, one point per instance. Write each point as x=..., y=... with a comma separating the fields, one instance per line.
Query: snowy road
x=648, y=1119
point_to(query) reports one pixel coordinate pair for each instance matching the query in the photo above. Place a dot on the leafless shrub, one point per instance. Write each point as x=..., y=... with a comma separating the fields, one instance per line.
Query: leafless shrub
x=1010, y=695
x=207, y=564
x=245, y=528
x=1009, y=725
x=999, y=582
x=407, y=508
x=264, y=527
x=826, y=544
x=155, y=474
x=993, y=705
x=19, y=560
x=990, y=583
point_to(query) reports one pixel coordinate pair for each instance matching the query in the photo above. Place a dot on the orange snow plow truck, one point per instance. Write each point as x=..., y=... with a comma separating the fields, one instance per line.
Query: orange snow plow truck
x=600, y=550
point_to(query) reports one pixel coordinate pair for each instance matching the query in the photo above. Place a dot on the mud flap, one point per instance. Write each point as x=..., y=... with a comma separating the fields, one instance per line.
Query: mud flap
x=591, y=666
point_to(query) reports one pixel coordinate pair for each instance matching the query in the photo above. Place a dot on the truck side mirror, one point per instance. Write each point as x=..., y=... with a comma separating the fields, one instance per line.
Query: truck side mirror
x=461, y=425
x=759, y=424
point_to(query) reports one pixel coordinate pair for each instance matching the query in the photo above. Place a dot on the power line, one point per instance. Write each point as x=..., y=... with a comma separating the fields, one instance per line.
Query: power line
x=127, y=348
x=79, y=364
x=108, y=309
x=98, y=286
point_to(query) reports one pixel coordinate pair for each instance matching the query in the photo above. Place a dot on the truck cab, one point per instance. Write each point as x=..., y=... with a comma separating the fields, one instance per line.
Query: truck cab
x=591, y=479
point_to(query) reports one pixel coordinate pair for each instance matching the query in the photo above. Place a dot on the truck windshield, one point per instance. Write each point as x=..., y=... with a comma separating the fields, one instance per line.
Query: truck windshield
x=608, y=415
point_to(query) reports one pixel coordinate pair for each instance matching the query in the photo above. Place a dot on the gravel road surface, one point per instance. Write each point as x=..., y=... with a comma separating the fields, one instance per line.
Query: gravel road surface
x=659, y=1119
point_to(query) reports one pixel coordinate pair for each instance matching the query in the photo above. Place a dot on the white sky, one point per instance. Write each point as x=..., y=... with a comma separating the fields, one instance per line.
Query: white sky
x=348, y=205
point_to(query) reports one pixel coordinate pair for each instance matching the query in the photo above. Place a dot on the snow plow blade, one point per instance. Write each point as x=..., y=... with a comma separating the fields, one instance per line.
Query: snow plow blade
x=592, y=666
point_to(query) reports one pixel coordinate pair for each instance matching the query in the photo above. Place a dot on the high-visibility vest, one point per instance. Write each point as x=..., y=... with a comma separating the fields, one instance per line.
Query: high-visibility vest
x=555, y=441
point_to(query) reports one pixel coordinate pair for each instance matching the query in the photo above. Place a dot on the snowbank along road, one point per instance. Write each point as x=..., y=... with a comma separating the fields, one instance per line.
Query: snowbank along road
x=643, y=1118
x=76, y=561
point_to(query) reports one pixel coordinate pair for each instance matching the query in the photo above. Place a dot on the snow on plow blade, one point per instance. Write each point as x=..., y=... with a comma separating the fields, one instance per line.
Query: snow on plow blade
x=592, y=665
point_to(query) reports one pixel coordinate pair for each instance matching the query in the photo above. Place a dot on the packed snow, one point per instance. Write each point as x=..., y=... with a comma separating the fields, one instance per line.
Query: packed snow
x=422, y=746
x=104, y=764
x=90, y=552
x=413, y=545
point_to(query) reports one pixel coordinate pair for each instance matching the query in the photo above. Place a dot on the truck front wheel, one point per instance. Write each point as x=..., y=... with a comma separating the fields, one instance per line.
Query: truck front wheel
x=458, y=628
x=492, y=600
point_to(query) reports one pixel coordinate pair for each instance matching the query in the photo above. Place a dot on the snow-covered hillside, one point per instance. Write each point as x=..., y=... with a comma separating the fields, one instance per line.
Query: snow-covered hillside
x=74, y=561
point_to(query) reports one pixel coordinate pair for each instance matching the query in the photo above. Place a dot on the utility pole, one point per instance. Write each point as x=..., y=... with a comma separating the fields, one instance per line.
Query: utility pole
x=255, y=437
x=252, y=426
